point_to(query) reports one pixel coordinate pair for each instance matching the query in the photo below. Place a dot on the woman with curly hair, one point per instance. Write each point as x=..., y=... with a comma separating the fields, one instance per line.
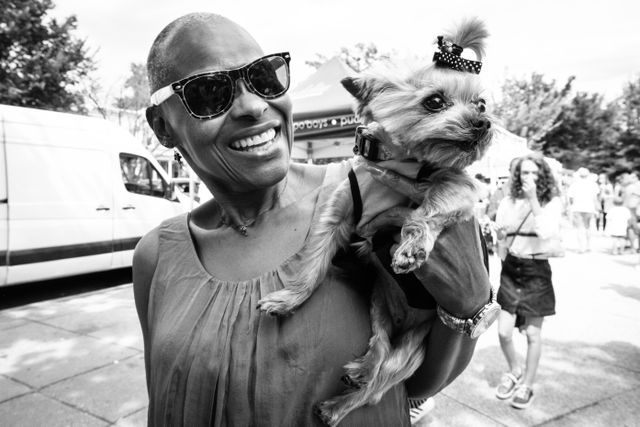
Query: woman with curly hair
x=527, y=222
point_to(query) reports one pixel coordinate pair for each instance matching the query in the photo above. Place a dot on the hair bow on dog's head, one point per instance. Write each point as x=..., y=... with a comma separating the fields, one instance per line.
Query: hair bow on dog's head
x=449, y=57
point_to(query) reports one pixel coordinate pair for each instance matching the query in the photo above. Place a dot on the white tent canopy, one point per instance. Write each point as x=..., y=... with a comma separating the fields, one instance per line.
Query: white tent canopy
x=323, y=120
x=505, y=147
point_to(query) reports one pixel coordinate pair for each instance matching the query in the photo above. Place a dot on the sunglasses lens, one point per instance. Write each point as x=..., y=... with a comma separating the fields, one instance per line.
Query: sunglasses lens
x=269, y=77
x=209, y=95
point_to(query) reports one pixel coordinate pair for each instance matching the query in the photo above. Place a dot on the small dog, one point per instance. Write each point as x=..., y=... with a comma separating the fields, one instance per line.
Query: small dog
x=434, y=116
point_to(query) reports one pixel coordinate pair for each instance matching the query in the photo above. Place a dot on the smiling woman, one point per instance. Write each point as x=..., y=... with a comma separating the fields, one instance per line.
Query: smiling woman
x=211, y=357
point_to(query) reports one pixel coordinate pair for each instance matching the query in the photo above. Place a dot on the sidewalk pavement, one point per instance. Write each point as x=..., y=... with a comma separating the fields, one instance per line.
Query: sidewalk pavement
x=77, y=360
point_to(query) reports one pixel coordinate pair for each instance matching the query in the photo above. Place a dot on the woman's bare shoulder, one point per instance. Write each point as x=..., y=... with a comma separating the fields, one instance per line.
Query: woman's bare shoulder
x=313, y=176
x=145, y=260
x=308, y=176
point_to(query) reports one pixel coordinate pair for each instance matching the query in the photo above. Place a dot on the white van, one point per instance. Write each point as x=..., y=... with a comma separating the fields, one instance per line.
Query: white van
x=76, y=195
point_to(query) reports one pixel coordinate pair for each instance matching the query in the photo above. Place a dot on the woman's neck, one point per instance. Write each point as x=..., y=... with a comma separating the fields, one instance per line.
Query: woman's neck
x=241, y=209
x=236, y=207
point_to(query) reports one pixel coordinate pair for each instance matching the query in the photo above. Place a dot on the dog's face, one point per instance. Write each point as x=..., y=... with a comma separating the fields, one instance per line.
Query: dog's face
x=433, y=115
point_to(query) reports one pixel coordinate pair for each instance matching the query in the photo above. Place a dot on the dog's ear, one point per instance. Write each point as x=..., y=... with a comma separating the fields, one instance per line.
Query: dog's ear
x=359, y=88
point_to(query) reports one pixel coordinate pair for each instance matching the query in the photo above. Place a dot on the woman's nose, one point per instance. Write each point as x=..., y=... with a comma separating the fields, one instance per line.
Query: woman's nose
x=247, y=103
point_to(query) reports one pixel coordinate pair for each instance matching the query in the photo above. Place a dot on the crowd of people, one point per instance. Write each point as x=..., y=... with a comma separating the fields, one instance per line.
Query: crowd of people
x=592, y=205
x=522, y=218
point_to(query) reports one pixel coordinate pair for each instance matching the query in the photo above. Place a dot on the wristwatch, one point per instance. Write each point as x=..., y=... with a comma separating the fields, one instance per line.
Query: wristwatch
x=478, y=324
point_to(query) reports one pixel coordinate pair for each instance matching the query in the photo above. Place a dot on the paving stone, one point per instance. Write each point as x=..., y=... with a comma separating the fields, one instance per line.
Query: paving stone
x=38, y=354
x=8, y=323
x=448, y=412
x=561, y=385
x=138, y=419
x=38, y=410
x=37, y=311
x=100, y=301
x=10, y=388
x=111, y=392
x=621, y=410
x=118, y=325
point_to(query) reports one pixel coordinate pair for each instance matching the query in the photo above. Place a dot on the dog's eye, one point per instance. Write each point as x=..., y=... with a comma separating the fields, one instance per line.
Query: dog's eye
x=434, y=103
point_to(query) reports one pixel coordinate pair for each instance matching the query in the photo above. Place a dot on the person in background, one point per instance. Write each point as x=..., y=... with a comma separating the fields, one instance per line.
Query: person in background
x=617, y=225
x=630, y=194
x=605, y=201
x=583, y=201
x=528, y=219
x=481, y=208
x=211, y=358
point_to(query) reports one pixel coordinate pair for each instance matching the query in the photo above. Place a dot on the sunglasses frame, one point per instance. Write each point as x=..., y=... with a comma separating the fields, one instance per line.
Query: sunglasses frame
x=177, y=87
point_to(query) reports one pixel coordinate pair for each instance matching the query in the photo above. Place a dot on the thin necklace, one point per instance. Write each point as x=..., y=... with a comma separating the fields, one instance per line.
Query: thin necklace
x=244, y=228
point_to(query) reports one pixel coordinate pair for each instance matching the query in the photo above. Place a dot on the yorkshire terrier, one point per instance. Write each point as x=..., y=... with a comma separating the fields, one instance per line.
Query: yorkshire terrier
x=435, y=117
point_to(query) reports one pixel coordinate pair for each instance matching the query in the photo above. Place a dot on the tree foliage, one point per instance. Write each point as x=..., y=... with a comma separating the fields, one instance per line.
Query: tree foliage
x=132, y=102
x=586, y=134
x=629, y=122
x=577, y=130
x=41, y=63
x=359, y=57
x=135, y=93
x=530, y=108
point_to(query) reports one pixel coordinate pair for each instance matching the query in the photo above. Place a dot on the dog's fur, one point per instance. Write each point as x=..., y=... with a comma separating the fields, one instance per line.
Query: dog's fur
x=435, y=116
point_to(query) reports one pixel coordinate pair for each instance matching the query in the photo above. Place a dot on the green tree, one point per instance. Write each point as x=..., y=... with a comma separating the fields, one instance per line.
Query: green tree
x=359, y=57
x=41, y=63
x=135, y=93
x=130, y=106
x=530, y=108
x=586, y=135
x=629, y=121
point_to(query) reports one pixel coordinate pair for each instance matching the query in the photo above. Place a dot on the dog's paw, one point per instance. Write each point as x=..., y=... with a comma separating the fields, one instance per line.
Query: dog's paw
x=415, y=247
x=331, y=411
x=406, y=259
x=276, y=304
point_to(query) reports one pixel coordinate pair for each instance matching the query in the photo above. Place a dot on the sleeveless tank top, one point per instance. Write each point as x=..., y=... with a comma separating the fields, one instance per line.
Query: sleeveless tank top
x=215, y=360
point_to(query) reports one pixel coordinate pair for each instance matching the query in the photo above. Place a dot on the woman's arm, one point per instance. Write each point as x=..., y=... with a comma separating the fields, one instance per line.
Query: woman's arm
x=457, y=278
x=145, y=259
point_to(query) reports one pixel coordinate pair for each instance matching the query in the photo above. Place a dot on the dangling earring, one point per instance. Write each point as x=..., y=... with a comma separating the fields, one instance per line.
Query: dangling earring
x=177, y=157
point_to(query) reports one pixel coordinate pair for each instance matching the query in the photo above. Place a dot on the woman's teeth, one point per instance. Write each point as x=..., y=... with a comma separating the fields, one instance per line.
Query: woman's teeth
x=255, y=143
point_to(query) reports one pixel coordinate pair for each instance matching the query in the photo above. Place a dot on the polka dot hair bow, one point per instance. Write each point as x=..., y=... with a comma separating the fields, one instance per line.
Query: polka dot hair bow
x=449, y=57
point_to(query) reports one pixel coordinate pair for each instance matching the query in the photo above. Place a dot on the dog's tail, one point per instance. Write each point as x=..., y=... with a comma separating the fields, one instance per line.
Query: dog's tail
x=470, y=34
x=332, y=232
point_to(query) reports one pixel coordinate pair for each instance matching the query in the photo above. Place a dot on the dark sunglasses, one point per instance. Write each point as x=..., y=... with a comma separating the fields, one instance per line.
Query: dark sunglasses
x=210, y=94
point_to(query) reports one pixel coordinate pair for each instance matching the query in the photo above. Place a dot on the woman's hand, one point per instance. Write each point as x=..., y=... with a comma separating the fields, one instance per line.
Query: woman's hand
x=500, y=231
x=529, y=188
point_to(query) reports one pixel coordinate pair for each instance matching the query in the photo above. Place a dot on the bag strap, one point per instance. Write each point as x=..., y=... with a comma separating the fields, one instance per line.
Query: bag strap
x=357, y=198
x=518, y=229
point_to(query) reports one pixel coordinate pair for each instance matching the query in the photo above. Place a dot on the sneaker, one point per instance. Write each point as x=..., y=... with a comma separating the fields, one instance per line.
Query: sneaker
x=418, y=408
x=507, y=385
x=523, y=397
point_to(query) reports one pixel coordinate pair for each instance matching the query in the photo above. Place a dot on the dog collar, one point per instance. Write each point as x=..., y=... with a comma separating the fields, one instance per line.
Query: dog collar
x=370, y=149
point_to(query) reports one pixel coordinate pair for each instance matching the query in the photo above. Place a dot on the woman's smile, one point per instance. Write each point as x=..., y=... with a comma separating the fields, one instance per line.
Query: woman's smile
x=256, y=143
x=264, y=143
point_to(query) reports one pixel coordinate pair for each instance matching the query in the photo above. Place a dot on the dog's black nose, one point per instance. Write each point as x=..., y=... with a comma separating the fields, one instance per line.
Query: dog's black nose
x=481, y=124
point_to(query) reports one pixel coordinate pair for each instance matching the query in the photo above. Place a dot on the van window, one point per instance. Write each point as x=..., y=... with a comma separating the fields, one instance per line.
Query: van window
x=140, y=177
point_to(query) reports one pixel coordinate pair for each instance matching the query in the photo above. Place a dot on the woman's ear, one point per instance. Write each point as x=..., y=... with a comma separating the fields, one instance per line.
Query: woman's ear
x=160, y=126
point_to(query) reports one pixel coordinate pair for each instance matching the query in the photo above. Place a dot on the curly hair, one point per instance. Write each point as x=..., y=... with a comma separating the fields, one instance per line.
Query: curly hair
x=546, y=186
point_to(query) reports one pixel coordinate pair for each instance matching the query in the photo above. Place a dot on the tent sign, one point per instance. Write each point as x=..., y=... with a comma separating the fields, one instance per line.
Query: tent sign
x=325, y=124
